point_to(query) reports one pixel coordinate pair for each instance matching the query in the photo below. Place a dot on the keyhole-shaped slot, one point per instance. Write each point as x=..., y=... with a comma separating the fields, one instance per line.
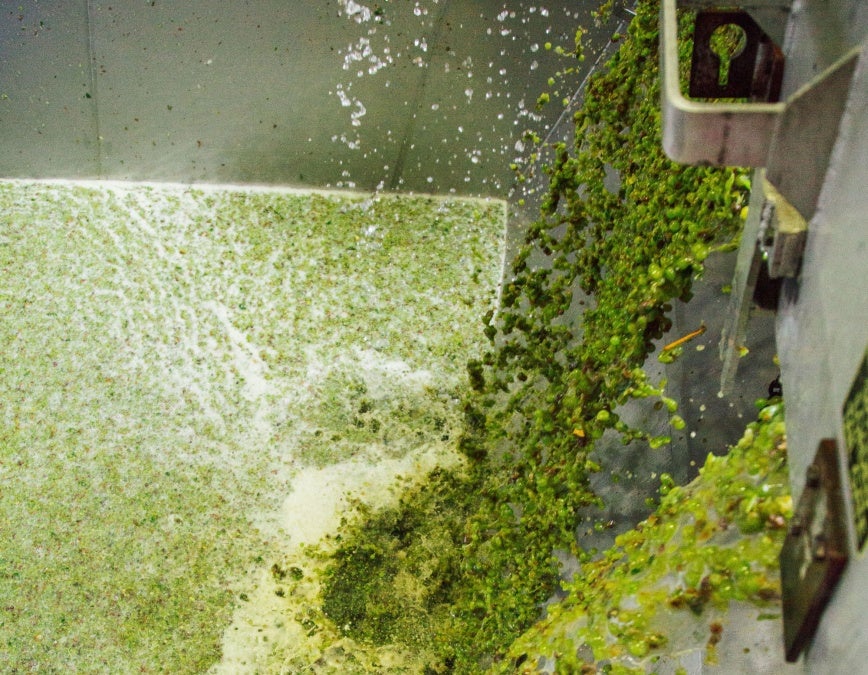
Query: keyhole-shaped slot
x=727, y=42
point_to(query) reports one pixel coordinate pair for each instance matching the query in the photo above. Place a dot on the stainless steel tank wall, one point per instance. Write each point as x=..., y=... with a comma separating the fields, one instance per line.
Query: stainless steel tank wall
x=426, y=96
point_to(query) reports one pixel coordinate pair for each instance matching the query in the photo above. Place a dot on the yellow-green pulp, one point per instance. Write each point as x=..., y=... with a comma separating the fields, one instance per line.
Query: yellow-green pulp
x=190, y=380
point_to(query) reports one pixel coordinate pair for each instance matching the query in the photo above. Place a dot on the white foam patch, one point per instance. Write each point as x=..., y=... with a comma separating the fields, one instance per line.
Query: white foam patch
x=318, y=498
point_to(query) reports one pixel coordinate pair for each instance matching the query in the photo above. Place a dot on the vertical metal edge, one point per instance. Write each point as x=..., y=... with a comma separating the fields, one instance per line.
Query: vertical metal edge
x=747, y=266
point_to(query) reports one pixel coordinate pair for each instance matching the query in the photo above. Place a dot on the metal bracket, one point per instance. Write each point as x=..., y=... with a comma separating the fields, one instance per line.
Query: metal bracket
x=814, y=553
x=697, y=132
x=773, y=240
x=803, y=141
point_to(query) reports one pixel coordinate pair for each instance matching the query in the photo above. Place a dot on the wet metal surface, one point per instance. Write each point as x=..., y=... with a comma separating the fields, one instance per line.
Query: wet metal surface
x=425, y=96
